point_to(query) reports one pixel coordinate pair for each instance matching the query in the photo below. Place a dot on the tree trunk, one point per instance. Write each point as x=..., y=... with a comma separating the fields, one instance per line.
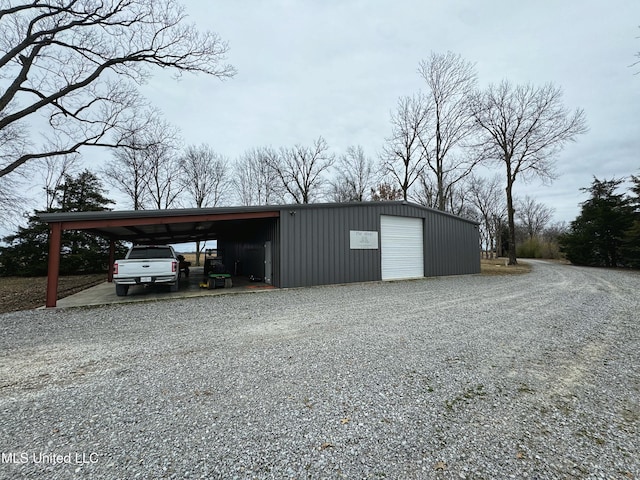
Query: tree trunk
x=499, y=247
x=198, y=253
x=512, y=222
x=441, y=200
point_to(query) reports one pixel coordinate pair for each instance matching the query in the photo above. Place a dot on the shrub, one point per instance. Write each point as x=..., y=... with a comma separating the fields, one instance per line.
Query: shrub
x=536, y=248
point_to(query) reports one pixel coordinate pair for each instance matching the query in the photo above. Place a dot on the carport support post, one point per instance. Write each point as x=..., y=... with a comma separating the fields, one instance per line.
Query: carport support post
x=53, y=271
x=112, y=259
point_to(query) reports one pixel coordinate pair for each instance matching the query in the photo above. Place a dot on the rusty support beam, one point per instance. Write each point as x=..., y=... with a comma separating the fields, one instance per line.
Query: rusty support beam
x=112, y=258
x=53, y=269
x=132, y=222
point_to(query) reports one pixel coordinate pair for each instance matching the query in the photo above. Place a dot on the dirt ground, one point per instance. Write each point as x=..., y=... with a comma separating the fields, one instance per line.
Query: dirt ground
x=24, y=293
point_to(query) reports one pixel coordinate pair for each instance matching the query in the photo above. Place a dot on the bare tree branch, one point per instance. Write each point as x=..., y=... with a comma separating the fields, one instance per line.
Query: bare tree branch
x=404, y=154
x=146, y=168
x=255, y=181
x=524, y=128
x=76, y=63
x=450, y=83
x=533, y=216
x=205, y=175
x=162, y=156
x=487, y=197
x=129, y=173
x=54, y=173
x=355, y=176
x=301, y=170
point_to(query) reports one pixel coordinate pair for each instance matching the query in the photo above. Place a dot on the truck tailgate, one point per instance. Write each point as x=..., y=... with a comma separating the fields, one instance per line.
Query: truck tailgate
x=147, y=267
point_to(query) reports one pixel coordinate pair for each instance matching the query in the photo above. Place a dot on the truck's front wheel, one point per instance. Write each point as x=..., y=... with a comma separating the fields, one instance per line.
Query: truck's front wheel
x=121, y=290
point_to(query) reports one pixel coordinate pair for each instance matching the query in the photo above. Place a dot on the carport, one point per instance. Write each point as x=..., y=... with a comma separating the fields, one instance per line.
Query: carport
x=295, y=245
x=153, y=227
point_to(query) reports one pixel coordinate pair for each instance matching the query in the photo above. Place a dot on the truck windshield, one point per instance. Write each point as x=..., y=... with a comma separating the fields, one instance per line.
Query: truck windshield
x=150, y=252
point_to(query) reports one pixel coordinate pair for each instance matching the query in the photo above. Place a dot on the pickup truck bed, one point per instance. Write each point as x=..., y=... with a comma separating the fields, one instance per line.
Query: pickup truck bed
x=146, y=265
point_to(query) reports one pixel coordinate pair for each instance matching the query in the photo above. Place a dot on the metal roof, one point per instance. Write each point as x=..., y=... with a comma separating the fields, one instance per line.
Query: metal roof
x=185, y=224
x=164, y=226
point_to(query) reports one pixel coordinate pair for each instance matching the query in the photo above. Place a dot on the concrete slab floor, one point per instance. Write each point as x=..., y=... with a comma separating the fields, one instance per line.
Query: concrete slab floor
x=105, y=293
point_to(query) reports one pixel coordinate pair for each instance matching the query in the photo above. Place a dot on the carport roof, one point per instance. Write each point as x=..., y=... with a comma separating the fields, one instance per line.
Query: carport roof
x=186, y=224
x=162, y=226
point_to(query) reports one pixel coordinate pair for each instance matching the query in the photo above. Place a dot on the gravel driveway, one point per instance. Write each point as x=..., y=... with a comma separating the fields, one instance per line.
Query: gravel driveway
x=530, y=376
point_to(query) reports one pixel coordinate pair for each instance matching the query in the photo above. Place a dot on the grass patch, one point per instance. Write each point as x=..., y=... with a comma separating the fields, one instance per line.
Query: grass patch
x=498, y=266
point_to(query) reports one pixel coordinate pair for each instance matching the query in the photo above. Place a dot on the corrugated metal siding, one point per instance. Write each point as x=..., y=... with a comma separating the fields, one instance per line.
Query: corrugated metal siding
x=314, y=243
x=452, y=246
x=315, y=246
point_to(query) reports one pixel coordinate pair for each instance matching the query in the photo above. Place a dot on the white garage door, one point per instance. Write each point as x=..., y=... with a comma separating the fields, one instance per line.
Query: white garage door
x=401, y=247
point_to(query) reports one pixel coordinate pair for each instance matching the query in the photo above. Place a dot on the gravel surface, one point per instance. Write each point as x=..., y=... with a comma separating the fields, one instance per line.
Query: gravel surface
x=532, y=376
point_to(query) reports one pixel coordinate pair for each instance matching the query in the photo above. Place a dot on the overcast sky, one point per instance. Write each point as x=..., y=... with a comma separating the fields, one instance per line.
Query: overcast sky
x=337, y=67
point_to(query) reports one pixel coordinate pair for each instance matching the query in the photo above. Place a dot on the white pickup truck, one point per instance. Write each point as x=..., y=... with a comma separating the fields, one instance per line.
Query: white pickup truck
x=147, y=265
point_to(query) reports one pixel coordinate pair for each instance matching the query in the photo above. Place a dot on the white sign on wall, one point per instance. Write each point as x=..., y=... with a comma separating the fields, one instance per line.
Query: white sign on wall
x=361, y=240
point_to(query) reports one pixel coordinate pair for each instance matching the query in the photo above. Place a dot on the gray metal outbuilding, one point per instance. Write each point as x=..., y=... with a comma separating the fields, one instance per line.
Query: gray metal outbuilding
x=298, y=245
x=342, y=243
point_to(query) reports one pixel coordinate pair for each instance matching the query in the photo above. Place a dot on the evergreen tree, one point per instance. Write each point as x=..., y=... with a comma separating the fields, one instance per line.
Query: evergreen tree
x=597, y=236
x=631, y=240
x=27, y=250
x=83, y=193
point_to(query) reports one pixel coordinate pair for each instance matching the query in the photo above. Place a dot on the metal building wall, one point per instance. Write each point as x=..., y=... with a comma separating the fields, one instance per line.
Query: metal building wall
x=314, y=243
x=452, y=246
x=314, y=246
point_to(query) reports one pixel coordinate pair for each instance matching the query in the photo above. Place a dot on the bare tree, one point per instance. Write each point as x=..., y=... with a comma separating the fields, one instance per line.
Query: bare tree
x=71, y=68
x=426, y=194
x=354, y=178
x=555, y=230
x=255, y=181
x=450, y=83
x=13, y=140
x=129, y=170
x=164, y=184
x=487, y=197
x=524, y=127
x=403, y=157
x=458, y=202
x=206, y=178
x=13, y=204
x=301, y=170
x=533, y=216
x=54, y=173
